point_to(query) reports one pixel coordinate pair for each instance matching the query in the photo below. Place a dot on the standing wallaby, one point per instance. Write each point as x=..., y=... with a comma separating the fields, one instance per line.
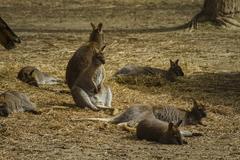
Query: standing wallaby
x=152, y=129
x=85, y=73
x=135, y=113
x=35, y=77
x=7, y=37
x=85, y=91
x=133, y=71
x=13, y=101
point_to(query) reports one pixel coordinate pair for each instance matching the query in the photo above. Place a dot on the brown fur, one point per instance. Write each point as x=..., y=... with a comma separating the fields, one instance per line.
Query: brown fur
x=85, y=91
x=82, y=57
x=85, y=73
x=7, y=37
x=153, y=129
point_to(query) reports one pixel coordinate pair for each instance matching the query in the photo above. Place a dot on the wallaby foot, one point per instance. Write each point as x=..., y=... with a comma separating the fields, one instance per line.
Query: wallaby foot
x=104, y=107
x=190, y=134
x=125, y=127
x=82, y=99
x=94, y=108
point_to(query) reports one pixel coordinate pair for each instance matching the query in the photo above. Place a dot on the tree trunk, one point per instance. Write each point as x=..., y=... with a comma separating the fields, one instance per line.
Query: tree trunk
x=222, y=12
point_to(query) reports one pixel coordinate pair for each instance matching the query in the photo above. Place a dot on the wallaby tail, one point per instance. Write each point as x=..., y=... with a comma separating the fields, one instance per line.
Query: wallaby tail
x=190, y=134
x=59, y=80
x=94, y=119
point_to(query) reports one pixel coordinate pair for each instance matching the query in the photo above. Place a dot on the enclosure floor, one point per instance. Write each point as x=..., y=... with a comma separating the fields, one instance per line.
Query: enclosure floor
x=137, y=32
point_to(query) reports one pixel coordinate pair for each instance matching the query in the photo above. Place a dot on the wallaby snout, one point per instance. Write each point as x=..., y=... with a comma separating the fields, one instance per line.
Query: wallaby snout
x=3, y=112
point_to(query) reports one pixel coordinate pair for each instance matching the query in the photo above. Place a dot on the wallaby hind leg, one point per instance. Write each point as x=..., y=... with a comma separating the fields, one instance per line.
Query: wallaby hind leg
x=108, y=97
x=81, y=98
x=103, y=99
x=51, y=80
x=28, y=106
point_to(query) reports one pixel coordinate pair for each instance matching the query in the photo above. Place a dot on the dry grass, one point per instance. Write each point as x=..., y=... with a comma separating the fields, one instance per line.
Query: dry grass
x=52, y=30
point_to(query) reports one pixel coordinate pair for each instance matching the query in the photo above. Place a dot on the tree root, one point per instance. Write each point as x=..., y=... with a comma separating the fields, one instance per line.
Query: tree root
x=227, y=22
x=200, y=17
x=223, y=21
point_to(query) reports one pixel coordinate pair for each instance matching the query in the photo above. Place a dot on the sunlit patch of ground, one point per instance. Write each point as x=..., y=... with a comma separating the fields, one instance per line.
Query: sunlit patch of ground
x=134, y=30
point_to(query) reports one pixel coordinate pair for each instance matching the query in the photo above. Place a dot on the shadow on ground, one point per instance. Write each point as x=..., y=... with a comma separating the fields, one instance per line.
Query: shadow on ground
x=213, y=88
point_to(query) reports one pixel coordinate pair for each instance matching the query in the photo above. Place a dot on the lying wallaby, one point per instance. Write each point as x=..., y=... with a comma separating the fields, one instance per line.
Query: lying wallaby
x=35, y=77
x=79, y=62
x=13, y=101
x=135, y=113
x=85, y=91
x=132, y=72
x=172, y=114
x=153, y=129
x=7, y=37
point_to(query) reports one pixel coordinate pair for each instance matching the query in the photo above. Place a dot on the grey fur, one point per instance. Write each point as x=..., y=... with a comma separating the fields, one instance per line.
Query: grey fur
x=35, y=77
x=138, y=71
x=138, y=112
x=171, y=114
x=13, y=101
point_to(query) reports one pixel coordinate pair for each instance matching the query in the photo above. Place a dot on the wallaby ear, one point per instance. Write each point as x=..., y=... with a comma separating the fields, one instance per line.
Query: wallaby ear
x=102, y=49
x=170, y=126
x=171, y=63
x=194, y=103
x=99, y=27
x=179, y=123
x=176, y=62
x=33, y=73
x=93, y=26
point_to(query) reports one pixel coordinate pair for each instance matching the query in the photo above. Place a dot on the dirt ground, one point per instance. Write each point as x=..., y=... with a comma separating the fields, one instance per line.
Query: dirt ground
x=138, y=32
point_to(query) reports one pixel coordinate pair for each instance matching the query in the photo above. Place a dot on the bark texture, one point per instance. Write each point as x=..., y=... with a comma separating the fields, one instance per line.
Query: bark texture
x=222, y=12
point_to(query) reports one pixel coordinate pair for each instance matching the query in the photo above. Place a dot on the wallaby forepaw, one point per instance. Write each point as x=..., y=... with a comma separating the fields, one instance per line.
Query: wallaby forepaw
x=94, y=108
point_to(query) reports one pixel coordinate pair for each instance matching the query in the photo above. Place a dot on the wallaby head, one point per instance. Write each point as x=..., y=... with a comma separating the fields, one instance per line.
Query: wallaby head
x=3, y=110
x=98, y=57
x=197, y=112
x=174, y=67
x=173, y=133
x=97, y=35
x=28, y=74
x=7, y=36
